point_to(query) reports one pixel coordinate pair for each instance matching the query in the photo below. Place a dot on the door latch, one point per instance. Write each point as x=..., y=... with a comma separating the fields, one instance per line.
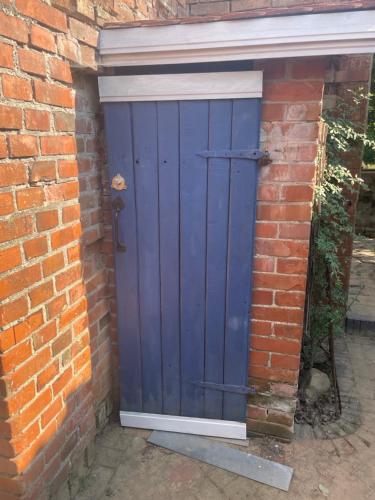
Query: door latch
x=118, y=204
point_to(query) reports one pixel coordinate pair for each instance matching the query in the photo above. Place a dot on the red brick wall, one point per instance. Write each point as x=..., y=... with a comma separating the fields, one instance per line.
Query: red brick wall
x=55, y=340
x=292, y=103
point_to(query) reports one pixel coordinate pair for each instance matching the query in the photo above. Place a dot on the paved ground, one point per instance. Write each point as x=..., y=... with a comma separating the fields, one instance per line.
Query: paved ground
x=362, y=281
x=127, y=468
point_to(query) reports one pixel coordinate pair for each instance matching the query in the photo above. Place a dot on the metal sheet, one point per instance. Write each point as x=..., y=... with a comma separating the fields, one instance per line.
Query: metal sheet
x=236, y=461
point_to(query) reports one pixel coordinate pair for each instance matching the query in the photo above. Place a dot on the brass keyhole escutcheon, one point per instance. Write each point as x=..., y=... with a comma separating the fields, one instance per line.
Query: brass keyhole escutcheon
x=118, y=183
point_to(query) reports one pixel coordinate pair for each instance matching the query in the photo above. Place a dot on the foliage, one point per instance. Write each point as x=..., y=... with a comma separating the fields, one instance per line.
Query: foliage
x=332, y=226
x=369, y=153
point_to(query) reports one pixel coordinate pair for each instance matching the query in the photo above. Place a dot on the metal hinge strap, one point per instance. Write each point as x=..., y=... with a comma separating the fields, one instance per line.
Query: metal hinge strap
x=247, y=154
x=239, y=389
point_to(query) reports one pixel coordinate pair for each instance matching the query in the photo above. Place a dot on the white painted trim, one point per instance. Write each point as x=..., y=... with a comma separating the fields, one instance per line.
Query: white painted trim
x=186, y=425
x=176, y=87
x=261, y=38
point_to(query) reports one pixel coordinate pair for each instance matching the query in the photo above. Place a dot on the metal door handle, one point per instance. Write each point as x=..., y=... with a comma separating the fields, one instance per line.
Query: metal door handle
x=118, y=204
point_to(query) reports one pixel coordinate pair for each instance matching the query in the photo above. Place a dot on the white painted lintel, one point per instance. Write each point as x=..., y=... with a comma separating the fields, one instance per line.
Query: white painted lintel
x=183, y=86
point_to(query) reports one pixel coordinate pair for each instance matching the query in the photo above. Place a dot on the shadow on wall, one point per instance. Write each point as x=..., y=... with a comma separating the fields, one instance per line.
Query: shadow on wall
x=77, y=398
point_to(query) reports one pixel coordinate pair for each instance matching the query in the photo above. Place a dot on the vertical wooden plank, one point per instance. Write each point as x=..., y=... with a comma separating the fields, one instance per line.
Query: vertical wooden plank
x=147, y=202
x=169, y=201
x=220, y=123
x=245, y=134
x=120, y=160
x=193, y=189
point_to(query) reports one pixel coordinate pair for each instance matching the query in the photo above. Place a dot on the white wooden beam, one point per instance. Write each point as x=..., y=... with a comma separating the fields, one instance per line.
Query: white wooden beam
x=261, y=38
x=177, y=87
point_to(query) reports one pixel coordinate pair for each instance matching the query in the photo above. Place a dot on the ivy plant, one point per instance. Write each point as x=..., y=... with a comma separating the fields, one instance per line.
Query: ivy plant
x=332, y=226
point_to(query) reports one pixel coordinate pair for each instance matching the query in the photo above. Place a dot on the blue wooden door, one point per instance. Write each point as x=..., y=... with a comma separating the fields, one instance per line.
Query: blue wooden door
x=183, y=284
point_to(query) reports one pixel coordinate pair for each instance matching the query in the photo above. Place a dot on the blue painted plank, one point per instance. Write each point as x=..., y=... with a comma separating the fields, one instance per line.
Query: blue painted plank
x=147, y=202
x=193, y=188
x=120, y=160
x=169, y=201
x=220, y=123
x=243, y=181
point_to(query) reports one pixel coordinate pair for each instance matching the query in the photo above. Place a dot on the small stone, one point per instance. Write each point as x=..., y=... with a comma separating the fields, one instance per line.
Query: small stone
x=318, y=385
x=323, y=490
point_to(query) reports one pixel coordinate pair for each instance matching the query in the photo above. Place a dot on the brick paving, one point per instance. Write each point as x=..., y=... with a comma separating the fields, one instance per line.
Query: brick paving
x=362, y=281
x=126, y=467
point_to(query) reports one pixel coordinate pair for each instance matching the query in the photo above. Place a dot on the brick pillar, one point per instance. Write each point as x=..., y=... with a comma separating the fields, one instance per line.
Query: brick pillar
x=292, y=103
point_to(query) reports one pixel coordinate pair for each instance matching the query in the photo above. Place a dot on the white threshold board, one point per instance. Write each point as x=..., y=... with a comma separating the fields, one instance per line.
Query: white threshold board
x=185, y=425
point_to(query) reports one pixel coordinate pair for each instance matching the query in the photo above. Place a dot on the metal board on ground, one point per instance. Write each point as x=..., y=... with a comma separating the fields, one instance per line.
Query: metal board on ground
x=230, y=459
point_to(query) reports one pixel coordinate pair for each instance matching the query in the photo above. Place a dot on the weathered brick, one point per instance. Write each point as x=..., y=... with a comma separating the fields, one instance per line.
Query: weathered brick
x=292, y=266
x=35, y=247
x=23, y=145
x=6, y=203
x=282, y=248
x=48, y=374
x=68, y=168
x=30, y=368
x=296, y=231
x=12, y=311
x=65, y=236
x=13, y=27
x=36, y=119
x=47, y=220
x=64, y=191
x=203, y=9
x=62, y=381
x=15, y=227
x=15, y=356
x=6, y=56
x=41, y=293
x=289, y=91
x=72, y=313
x=83, y=32
x=68, y=48
x=68, y=277
x=30, y=198
x=290, y=299
x=31, y=61
x=42, y=171
x=58, y=145
x=290, y=331
x=10, y=117
x=12, y=174
x=301, y=212
x=50, y=93
x=88, y=57
x=54, y=408
x=285, y=361
x=56, y=306
x=28, y=326
x=9, y=258
x=19, y=280
x=15, y=87
x=43, y=13
x=275, y=281
x=309, y=68
x=279, y=314
x=62, y=342
x=3, y=147
x=53, y=264
x=64, y=122
x=60, y=70
x=42, y=38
